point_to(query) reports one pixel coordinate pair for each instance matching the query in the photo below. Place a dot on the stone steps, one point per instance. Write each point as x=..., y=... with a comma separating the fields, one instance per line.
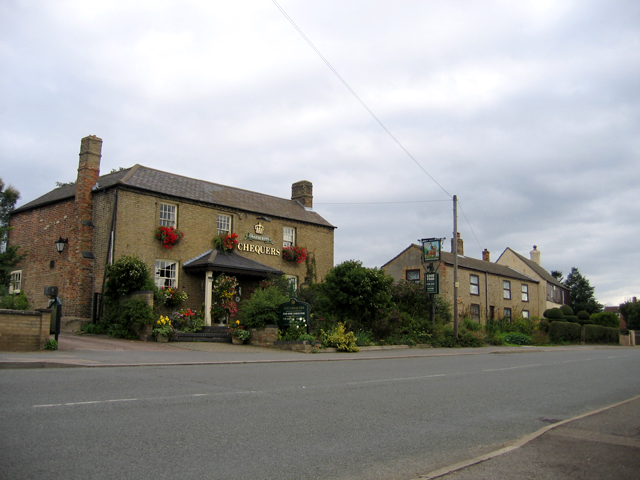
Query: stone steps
x=206, y=334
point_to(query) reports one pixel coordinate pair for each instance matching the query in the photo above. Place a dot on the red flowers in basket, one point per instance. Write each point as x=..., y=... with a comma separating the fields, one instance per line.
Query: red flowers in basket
x=169, y=236
x=294, y=254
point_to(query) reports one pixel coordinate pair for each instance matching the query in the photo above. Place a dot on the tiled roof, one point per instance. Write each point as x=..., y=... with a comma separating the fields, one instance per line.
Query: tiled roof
x=538, y=269
x=477, y=265
x=156, y=181
x=229, y=262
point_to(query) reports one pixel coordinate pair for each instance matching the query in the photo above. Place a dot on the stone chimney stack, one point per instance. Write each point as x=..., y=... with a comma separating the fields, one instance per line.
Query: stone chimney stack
x=302, y=191
x=88, y=173
x=460, y=245
x=486, y=255
x=535, y=255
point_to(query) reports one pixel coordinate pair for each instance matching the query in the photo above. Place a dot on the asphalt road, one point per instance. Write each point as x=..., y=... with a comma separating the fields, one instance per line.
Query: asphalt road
x=374, y=419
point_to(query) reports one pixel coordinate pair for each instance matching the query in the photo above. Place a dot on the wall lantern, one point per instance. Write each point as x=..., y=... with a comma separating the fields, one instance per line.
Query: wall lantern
x=60, y=244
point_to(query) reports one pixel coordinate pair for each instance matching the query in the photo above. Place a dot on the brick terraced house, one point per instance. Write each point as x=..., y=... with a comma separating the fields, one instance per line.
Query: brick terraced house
x=105, y=217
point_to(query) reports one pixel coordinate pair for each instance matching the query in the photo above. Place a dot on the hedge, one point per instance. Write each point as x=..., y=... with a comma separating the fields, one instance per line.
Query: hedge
x=600, y=334
x=564, y=332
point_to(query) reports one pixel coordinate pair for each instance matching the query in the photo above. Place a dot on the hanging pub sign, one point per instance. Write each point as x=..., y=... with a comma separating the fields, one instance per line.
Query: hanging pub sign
x=431, y=282
x=430, y=249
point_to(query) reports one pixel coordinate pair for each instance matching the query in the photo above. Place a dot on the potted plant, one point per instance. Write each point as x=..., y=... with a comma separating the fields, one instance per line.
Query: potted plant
x=169, y=236
x=225, y=242
x=163, y=329
x=172, y=296
x=239, y=333
x=294, y=254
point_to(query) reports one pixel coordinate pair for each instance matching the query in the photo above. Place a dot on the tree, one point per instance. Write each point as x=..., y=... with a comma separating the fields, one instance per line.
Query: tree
x=557, y=274
x=581, y=293
x=631, y=313
x=361, y=296
x=9, y=258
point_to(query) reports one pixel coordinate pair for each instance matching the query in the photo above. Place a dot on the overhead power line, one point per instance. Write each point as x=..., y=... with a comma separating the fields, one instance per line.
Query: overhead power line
x=343, y=81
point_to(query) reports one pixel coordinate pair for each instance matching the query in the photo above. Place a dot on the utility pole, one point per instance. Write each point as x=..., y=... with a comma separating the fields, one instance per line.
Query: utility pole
x=455, y=266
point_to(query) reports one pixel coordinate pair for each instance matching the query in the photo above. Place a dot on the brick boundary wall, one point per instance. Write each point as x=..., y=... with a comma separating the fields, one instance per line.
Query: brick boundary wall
x=23, y=330
x=264, y=337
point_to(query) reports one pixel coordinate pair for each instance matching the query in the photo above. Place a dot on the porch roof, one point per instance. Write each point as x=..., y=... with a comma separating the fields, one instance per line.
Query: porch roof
x=229, y=262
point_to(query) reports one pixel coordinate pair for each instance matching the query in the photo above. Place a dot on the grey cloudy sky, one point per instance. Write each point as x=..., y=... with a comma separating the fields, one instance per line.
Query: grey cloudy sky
x=527, y=110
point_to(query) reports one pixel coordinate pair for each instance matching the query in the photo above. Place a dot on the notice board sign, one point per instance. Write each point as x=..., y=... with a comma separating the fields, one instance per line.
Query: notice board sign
x=294, y=310
x=431, y=282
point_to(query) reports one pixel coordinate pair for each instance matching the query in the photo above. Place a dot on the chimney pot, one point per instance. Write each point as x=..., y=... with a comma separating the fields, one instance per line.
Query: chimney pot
x=486, y=255
x=535, y=255
x=460, y=243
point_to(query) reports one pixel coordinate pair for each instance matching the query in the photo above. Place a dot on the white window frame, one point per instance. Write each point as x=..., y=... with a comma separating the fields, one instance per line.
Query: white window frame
x=168, y=215
x=288, y=236
x=166, y=266
x=506, y=289
x=474, y=287
x=223, y=224
x=525, y=313
x=15, y=282
x=525, y=292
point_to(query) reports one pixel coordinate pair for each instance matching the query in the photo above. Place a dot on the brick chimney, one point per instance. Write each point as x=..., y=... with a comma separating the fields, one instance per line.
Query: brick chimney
x=486, y=255
x=302, y=191
x=460, y=245
x=535, y=255
x=88, y=173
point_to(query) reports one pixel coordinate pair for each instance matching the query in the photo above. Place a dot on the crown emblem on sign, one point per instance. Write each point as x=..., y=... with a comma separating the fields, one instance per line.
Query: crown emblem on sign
x=259, y=229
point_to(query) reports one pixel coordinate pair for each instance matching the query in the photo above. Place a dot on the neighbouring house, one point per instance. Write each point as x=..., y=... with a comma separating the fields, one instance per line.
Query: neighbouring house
x=551, y=292
x=486, y=290
x=101, y=218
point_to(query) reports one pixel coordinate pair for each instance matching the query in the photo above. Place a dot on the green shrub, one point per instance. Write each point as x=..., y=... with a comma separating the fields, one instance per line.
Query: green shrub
x=262, y=308
x=523, y=326
x=364, y=338
x=51, y=344
x=583, y=315
x=540, y=337
x=600, y=334
x=516, y=338
x=14, y=302
x=125, y=319
x=470, y=339
x=444, y=338
x=561, y=332
x=471, y=325
x=554, y=314
x=566, y=310
x=128, y=274
x=544, y=326
x=93, y=328
x=571, y=318
x=606, y=319
x=339, y=338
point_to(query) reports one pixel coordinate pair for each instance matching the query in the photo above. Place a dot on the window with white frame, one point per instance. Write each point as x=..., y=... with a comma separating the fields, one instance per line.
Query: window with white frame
x=525, y=293
x=166, y=273
x=15, y=282
x=474, y=284
x=167, y=215
x=413, y=276
x=224, y=224
x=288, y=237
x=506, y=289
x=525, y=313
x=507, y=314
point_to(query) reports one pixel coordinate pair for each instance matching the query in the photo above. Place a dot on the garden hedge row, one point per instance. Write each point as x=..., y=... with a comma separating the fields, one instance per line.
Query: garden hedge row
x=600, y=334
x=564, y=332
